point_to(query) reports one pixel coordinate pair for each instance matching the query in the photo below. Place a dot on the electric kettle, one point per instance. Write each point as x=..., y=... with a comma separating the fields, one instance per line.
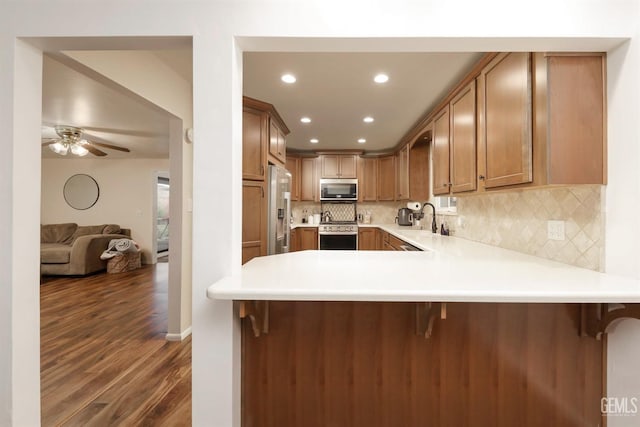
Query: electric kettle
x=405, y=216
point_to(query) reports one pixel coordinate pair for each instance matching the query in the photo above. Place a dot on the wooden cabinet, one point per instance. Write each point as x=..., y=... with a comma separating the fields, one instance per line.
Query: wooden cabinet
x=402, y=171
x=395, y=244
x=441, y=152
x=277, y=141
x=293, y=166
x=368, y=179
x=338, y=166
x=419, y=178
x=505, y=109
x=309, y=183
x=294, y=240
x=462, y=143
x=254, y=220
x=263, y=138
x=367, y=238
x=308, y=238
x=570, y=115
x=254, y=134
x=386, y=178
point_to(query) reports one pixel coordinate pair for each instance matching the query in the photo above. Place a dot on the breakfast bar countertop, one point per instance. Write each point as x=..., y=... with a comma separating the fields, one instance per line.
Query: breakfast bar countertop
x=450, y=269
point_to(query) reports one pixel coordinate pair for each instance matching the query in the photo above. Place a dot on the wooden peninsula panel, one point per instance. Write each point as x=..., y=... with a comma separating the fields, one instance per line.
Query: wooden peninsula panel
x=362, y=364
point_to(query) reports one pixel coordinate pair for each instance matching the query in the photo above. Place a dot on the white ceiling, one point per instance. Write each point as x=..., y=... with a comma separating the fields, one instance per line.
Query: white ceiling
x=336, y=90
x=77, y=96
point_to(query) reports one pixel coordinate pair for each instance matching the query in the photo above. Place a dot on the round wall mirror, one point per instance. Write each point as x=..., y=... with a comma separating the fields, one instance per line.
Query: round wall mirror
x=81, y=191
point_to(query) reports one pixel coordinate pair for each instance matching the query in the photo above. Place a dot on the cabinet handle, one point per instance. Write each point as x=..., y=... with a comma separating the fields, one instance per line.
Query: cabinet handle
x=481, y=177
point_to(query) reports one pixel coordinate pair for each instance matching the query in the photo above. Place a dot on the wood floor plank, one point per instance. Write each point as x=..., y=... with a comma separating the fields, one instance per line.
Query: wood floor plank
x=104, y=359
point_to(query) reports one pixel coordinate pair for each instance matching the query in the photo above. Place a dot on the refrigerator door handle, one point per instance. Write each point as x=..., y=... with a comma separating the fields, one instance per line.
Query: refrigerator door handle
x=287, y=221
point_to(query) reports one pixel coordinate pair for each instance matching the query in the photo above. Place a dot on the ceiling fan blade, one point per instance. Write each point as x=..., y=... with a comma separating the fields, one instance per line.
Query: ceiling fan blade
x=113, y=147
x=93, y=150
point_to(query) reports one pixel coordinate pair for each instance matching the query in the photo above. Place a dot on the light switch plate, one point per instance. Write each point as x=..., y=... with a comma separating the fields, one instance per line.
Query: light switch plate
x=555, y=230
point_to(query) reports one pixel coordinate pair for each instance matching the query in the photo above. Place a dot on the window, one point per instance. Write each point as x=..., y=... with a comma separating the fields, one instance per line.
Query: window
x=446, y=204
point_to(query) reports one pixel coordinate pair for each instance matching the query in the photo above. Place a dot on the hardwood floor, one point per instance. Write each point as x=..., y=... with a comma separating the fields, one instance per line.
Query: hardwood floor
x=104, y=360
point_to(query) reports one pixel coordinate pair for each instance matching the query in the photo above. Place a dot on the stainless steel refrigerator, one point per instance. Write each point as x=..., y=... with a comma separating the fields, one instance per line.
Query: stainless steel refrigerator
x=279, y=210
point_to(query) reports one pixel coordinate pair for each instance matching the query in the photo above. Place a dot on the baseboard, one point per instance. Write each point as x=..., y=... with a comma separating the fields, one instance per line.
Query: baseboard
x=179, y=337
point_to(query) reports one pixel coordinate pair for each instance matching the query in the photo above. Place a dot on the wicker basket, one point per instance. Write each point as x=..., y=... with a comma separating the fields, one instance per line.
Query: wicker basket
x=125, y=262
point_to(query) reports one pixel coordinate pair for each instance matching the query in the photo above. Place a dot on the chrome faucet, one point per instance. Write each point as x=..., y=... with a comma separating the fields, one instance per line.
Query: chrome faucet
x=434, y=226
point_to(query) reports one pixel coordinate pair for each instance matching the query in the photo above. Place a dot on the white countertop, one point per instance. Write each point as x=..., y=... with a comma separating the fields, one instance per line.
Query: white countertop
x=451, y=269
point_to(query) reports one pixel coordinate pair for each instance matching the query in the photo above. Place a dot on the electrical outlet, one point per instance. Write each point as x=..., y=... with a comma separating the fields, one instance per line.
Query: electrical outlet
x=555, y=230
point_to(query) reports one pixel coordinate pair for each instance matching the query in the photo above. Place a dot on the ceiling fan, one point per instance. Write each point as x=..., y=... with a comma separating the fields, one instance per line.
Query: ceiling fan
x=70, y=140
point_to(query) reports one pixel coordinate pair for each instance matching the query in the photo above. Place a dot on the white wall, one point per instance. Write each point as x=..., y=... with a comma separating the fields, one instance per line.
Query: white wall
x=440, y=26
x=126, y=195
x=145, y=74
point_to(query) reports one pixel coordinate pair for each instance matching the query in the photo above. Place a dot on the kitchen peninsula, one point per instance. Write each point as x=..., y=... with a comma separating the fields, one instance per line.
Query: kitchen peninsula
x=460, y=334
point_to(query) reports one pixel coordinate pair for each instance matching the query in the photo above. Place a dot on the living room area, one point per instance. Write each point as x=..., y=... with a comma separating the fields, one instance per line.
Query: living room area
x=111, y=329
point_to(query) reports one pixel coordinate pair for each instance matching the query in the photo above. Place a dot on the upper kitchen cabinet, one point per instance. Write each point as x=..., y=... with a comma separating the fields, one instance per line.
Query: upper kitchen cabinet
x=386, y=178
x=309, y=183
x=277, y=141
x=338, y=166
x=293, y=166
x=263, y=138
x=462, y=143
x=419, y=166
x=570, y=114
x=402, y=173
x=254, y=156
x=368, y=179
x=440, y=152
x=505, y=109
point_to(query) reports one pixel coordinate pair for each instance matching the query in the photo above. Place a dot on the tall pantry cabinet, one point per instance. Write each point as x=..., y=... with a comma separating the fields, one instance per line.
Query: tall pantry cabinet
x=263, y=143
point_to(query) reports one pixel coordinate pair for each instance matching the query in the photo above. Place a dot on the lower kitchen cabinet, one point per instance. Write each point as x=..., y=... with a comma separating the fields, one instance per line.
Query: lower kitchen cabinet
x=254, y=220
x=307, y=238
x=294, y=240
x=367, y=239
x=362, y=364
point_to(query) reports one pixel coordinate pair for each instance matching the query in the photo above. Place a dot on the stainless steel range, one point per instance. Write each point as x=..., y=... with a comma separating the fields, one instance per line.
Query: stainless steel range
x=338, y=229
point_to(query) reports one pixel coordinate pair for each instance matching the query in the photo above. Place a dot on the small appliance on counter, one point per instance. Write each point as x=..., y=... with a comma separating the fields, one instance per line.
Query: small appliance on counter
x=405, y=217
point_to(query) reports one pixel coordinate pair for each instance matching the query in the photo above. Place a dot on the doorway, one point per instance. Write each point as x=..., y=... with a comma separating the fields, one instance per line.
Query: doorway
x=162, y=218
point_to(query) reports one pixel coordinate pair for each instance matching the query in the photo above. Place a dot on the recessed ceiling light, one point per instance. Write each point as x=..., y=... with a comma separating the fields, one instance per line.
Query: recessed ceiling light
x=288, y=78
x=314, y=140
x=381, y=78
x=368, y=119
x=305, y=120
x=362, y=141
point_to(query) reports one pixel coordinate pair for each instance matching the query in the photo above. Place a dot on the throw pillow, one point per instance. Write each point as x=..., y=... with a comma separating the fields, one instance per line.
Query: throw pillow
x=111, y=229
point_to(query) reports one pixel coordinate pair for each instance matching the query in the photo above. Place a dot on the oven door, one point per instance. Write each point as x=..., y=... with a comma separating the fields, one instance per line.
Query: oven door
x=338, y=241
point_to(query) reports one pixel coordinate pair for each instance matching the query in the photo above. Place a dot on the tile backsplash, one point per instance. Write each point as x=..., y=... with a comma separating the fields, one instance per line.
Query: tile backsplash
x=517, y=220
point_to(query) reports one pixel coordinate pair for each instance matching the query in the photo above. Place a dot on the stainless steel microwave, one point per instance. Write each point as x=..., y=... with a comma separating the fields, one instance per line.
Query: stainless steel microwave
x=339, y=189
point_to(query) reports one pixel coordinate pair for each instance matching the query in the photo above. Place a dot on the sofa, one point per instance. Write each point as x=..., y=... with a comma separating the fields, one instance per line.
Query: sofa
x=69, y=249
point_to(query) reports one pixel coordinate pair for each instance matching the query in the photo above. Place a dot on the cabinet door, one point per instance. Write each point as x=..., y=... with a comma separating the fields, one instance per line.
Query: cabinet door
x=254, y=134
x=254, y=220
x=308, y=238
x=295, y=240
x=282, y=145
x=402, y=181
x=463, y=140
x=506, y=83
x=368, y=183
x=348, y=166
x=276, y=141
x=441, y=152
x=386, y=178
x=293, y=166
x=330, y=166
x=419, y=169
x=367, y=239
x=308, y=179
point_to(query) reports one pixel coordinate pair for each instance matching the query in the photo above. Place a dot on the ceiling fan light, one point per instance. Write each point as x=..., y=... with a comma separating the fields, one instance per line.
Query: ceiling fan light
x=79, y=150
x=59, y=148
